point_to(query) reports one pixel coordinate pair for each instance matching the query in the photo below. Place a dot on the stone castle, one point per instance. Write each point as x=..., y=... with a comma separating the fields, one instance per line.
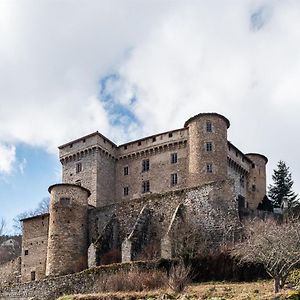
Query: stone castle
x=117, y=201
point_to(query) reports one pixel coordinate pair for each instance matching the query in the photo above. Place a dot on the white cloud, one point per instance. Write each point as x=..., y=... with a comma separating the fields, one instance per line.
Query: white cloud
x=7, y=158
x=177, y=58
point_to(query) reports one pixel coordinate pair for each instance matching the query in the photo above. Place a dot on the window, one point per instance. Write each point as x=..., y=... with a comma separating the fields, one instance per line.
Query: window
x=32, y=275
x=253, y=187
x=146, y=165
x=126, y=171
x=146, y=186
x=26, y=252
x=174, y=179
x=208, y=126
x=65, y=201
x=154, y=139
x=125, y=147
x=242, y=181
x=78, y=167
x=126, y=191
x=170, y=134
x=173, y=158
x=209, y=146
x=209, y=168
x=139, y=143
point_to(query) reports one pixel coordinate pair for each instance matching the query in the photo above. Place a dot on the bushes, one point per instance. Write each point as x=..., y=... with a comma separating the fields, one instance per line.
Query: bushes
x=131, y=281
x=179, y=277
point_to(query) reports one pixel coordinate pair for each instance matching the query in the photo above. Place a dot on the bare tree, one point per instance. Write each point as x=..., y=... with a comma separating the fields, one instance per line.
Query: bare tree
x=2, y=228
x=275, y=246
x=42, y=208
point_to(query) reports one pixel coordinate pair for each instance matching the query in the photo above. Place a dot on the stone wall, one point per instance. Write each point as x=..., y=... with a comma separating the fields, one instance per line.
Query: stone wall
x=214, y=204
x=34, y=247
x=10, y=272
x=160, y=170
x=53, y=287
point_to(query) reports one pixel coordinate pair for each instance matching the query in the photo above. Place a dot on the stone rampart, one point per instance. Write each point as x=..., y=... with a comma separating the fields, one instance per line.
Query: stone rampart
x=53, y=287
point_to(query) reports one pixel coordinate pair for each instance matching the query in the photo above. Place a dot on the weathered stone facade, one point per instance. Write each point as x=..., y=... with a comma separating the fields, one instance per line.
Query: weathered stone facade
x=127, y=202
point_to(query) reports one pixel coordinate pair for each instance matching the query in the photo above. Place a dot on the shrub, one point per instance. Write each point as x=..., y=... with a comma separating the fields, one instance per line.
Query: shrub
x=294, y=278
x=134, y=281
x=179, y=276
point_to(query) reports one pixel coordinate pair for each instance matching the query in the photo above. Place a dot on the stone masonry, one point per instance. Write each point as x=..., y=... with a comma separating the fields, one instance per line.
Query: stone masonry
x=129, y=202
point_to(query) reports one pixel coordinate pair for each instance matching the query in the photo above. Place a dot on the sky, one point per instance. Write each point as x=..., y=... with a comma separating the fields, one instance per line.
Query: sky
x=131, y=68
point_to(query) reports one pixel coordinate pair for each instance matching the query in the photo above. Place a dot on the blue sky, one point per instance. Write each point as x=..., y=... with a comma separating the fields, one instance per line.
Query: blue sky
x=132, y=68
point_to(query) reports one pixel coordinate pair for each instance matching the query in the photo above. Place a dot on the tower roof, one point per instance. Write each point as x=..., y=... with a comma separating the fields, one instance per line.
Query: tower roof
x=207, y=115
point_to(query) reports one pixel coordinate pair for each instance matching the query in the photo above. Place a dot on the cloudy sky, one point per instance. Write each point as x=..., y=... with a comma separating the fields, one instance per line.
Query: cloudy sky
x=130, y=68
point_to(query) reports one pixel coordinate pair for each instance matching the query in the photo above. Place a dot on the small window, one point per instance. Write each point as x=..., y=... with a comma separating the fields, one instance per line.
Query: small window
x=174, y=179
x=170, y=134
x=78, y=167
x=146, y=186
x=236, y=154
x=32, y=276
x=139, y=143
x=209, y=168
x=83, y=140
x=64, y=201
x=154, y=139
x=71, y=145
x=209, y=147
x=242, y=181
x=173, y=158
x=125, y=147
x=126, y=191
x=126, y=171
x=146, y=165
x=208, y=126
x=26, y=252
x=253, y=187
x=253, y=166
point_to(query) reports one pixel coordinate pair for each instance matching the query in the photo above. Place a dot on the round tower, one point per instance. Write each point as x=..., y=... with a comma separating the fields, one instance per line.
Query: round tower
x=207, y=148
x=257, y=185
x=68, y=229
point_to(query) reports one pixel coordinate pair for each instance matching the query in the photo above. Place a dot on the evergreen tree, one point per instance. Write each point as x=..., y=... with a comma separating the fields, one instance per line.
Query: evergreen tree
x=282, y=188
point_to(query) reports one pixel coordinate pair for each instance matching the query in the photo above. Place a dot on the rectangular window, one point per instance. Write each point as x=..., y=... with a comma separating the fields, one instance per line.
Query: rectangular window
x=242, y=181
x=32, y=276
x=209, y=168
x=170, y=134
x=174, y=179
x=146, y=186
x=173, y=158
x=64, y=201
x=26, y=252
x=126, y=171
x=78, y=167
x=146, y=165
x=209, y=147
x=126, y=191
x=208, y=126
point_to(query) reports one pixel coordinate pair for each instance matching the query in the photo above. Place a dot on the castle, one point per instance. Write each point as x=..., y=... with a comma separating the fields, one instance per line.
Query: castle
x=115, y=201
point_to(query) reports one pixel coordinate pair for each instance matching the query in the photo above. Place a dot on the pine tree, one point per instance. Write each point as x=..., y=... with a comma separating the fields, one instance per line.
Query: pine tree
x=282, y=188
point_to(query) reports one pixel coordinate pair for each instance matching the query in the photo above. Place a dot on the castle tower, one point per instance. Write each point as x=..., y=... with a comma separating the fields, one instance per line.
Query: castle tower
x=256, y=187
x=90, y=162
x=207, y=148
x=68, y=229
